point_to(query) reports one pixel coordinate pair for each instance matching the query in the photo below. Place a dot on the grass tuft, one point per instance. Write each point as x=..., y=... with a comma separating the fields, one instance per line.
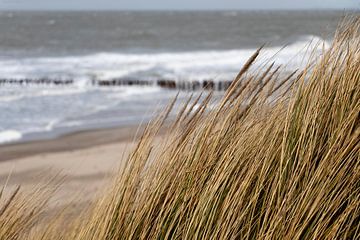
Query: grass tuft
x=277, y=158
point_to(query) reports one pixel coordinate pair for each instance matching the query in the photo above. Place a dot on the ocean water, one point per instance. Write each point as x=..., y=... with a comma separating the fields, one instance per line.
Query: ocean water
x=181, y=46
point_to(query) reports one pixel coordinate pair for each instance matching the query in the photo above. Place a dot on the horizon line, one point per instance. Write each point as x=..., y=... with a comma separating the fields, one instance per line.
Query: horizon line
x=177, y=10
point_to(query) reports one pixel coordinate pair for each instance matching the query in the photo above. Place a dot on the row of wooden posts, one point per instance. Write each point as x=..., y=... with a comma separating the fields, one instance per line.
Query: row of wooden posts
x=163, y=83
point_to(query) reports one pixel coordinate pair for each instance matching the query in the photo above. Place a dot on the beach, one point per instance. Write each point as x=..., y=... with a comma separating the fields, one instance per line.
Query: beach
x=177, y=125
x=82, y=162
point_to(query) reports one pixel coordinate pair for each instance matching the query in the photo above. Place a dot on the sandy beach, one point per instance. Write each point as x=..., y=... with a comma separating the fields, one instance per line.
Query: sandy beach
x=84, y=162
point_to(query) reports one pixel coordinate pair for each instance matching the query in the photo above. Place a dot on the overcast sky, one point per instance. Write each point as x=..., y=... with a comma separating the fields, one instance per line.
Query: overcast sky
x=175, y=4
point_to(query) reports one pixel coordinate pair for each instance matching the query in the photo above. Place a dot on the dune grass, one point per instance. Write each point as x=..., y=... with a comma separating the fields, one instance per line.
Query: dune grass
x=277, y=158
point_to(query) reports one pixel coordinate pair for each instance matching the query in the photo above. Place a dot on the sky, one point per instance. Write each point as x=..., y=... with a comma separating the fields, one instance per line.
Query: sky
x=175, y=4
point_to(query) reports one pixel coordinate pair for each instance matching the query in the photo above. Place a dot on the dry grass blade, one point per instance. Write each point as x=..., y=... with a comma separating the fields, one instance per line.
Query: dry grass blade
x=8, y=202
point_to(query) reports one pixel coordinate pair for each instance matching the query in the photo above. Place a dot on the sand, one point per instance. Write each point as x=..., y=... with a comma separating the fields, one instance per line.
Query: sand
x=85, y=162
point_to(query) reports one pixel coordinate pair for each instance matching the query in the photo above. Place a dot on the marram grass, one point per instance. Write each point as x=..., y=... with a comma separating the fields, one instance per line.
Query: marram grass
x=277, y=158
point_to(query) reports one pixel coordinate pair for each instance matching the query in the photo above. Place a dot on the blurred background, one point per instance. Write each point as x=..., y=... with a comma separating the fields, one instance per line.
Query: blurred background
x=69, y=65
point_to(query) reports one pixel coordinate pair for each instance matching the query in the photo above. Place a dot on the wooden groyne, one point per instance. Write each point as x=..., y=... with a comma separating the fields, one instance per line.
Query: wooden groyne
x=169, y=84
x=162, y=83
x=39, y=81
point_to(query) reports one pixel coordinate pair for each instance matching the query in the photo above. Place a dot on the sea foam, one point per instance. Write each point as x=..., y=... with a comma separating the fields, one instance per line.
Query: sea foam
x=9, y=136
x=187, y=65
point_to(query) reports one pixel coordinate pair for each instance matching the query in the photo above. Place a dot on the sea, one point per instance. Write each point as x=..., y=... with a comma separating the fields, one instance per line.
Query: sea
x=146, y=46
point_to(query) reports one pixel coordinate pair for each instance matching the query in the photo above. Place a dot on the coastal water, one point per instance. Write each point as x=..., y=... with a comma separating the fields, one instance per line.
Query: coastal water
x=146, y=46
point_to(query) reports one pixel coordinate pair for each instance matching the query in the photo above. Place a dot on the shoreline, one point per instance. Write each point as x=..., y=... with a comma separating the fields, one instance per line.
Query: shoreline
x=78, y=140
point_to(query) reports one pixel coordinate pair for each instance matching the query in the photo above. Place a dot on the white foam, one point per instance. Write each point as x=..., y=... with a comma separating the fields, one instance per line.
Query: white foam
x=51, y=125
x=195, y=65
x=9, y=136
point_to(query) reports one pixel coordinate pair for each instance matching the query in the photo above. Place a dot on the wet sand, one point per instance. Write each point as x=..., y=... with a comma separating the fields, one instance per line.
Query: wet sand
x=69, y=142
